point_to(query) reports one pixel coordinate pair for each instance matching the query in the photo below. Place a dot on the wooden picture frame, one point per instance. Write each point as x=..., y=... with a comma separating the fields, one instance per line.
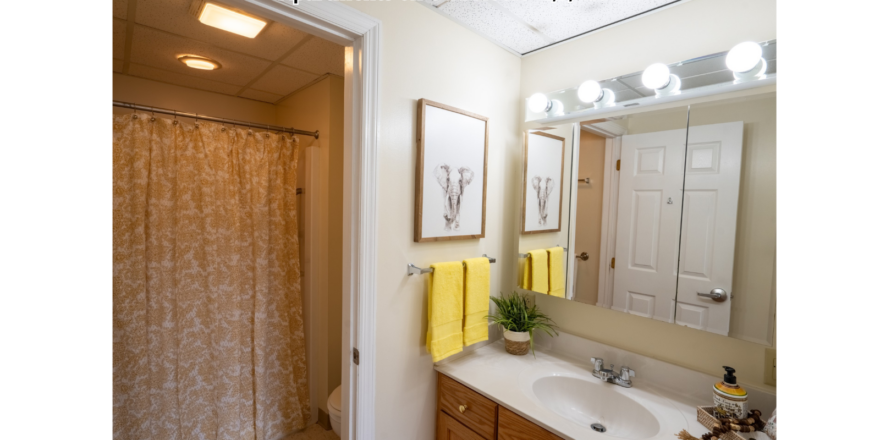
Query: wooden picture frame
x=529, y=189
x=448, y=142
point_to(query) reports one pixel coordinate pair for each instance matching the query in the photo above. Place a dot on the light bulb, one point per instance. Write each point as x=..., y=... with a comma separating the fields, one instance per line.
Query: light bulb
x=744, y=57
x=556, y=108
x=590, y=91
x=538, y=103
x=656, y=76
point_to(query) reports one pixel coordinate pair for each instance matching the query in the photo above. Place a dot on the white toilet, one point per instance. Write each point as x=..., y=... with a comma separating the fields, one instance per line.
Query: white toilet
x=334, y=407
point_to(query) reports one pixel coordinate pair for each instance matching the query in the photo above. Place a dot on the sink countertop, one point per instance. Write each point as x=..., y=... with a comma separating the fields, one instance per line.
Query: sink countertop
x=496, y=374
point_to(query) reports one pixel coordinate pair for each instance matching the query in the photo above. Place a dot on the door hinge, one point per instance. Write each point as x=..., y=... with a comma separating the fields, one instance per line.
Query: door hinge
x=618, y=164
x=357, y=356
x=612, y=263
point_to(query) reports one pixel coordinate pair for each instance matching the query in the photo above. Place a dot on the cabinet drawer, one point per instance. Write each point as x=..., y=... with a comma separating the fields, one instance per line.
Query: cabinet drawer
x=479, y=412
x=449, y=429
x=513, y=427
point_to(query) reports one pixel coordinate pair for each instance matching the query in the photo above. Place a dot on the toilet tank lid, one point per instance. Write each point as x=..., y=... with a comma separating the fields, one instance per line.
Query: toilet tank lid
x=335, y=399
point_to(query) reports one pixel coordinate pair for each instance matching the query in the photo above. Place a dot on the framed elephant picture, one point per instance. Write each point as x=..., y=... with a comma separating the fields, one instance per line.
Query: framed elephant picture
x=542, y=183
x=451, y=164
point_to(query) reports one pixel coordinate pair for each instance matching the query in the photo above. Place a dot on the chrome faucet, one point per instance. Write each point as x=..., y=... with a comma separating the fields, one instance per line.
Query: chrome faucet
x=623, y=379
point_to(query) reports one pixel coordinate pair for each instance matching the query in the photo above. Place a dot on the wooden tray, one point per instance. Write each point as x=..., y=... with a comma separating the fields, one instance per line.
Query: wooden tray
x=705, y=417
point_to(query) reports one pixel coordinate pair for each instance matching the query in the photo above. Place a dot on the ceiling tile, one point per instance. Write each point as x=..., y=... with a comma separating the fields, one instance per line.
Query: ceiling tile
x=173, y=16
x=120, y=8
x=159, y=49
x=119, y=38
x=495, y=24
x=180, y=79
x=283, y=80
x=318, y=56
x=260, y=95
x=562, y=20
x=117, y=65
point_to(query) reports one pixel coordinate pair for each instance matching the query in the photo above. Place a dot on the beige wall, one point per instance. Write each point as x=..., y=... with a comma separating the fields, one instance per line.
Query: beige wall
x=158, y=94
x=320, y=107
x=588, y=224
x=688, y=30
x=425, y=55
x=681, y=32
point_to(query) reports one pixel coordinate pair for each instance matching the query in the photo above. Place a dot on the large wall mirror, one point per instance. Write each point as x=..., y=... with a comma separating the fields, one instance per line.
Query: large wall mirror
x=668, y=214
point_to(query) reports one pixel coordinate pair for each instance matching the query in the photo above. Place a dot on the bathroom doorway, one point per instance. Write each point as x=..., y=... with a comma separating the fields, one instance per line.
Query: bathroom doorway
x=272, y=86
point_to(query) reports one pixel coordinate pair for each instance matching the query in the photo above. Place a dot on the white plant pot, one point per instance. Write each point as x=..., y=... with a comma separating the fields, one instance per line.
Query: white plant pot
x=516, y=343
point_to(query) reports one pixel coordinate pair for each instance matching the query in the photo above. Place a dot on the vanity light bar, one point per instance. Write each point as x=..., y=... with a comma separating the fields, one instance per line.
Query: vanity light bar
x=412, y=269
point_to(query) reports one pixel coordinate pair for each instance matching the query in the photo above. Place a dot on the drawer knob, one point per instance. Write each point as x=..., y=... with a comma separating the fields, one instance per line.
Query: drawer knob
x=462, y=408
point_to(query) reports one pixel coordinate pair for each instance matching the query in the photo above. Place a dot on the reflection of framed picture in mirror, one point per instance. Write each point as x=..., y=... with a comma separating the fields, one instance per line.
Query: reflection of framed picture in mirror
x=451, y=164
x=542, y=183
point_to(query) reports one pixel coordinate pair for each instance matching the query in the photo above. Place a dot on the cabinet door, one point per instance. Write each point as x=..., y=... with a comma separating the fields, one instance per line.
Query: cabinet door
x=513, y=427
x=450, y=429
x=467, y=406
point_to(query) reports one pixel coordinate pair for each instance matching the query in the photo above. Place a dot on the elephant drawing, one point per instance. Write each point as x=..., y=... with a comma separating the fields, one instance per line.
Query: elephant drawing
x=453, y=181
x=543, y=187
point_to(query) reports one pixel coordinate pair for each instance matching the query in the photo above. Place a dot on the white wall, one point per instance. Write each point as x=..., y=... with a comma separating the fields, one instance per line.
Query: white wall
x=425, y=55
x=319, y=107
x=158, y=94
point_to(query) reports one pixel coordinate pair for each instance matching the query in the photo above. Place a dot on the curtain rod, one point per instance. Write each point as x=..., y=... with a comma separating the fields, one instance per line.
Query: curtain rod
x=213, y=119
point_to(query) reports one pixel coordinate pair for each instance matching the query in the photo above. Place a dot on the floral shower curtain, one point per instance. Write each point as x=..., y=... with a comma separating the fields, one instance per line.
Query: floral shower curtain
x=208, y=336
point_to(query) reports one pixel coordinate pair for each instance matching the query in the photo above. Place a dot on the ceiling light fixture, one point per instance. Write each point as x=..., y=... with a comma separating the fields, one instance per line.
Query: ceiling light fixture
x=591, y=91
x=231, y=21
x=657, y=77
x=746, y=61
x=197, y=62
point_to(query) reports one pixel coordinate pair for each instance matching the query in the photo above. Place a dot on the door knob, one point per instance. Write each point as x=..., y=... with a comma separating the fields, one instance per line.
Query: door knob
x=583, y=256
x=717, y=295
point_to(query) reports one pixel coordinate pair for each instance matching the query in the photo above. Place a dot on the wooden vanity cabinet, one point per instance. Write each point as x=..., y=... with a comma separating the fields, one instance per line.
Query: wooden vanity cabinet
x=464, y=414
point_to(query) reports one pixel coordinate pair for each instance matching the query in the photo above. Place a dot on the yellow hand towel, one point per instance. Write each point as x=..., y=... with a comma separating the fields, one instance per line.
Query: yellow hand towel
x=557, y=271
x=445, y=309
x=476, y=300
x=537, y=268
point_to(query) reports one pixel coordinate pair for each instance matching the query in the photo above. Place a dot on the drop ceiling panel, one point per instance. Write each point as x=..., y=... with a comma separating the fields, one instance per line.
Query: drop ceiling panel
x=318, y=56
x=283, y=80
x=528, y=25
x=159, y=49
x=119, y=39
x=260, y=95
x=120, y=8
x=181, y=79
x=561, y=20
x=173, y=16
x=487, y=19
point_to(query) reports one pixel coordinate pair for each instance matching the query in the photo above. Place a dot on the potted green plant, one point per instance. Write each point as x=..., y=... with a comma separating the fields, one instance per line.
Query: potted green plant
x=519, y=319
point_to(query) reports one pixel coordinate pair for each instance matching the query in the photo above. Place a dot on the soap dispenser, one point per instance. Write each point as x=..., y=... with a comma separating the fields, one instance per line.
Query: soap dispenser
x=731, y=400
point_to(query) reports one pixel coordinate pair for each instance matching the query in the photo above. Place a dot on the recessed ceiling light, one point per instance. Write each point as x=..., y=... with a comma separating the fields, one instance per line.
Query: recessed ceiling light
x=231, y=21
x=199, y=62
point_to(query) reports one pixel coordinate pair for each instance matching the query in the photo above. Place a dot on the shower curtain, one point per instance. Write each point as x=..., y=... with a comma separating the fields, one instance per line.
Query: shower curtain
x=208, y=336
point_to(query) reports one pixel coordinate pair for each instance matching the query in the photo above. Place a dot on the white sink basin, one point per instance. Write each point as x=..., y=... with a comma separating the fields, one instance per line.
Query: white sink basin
x=571, y=391
x=587, y=403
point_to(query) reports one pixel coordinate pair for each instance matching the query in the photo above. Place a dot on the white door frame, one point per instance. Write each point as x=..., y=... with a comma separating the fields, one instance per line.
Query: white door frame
x=361, y=35
x=610, y=190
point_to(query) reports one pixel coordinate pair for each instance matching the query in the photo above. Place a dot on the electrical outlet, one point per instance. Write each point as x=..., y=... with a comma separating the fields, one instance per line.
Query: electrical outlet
x=770, y=366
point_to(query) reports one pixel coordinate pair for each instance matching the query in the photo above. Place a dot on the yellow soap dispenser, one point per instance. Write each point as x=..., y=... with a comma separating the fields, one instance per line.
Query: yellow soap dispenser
x=731, y=400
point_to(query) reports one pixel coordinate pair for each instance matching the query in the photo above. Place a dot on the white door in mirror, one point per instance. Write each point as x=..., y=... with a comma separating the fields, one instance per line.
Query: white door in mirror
x=647, y=225
x=708, y=225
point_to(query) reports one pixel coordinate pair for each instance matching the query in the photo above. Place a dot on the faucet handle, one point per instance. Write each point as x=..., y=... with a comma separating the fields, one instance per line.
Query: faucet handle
x=626, y=373
x=597, y=363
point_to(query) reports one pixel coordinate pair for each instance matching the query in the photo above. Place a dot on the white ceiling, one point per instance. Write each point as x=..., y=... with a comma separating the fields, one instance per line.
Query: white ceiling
x=149, y=35
x=524, y=26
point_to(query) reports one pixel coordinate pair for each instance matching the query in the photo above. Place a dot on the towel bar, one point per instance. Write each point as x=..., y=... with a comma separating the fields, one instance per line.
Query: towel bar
x=411, y=269
x=527, y=255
